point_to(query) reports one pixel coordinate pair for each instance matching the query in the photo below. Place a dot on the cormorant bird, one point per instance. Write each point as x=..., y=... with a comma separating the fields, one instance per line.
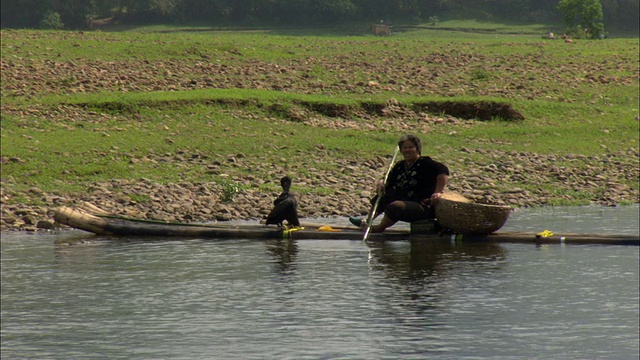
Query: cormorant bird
x=284, y=206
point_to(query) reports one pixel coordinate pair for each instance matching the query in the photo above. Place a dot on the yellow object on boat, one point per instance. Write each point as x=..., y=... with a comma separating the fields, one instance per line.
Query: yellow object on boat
x=327, y=228
x=544, y=234
x=287, y=232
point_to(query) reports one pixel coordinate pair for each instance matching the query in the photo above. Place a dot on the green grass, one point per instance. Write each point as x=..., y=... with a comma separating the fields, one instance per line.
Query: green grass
x=579, y=98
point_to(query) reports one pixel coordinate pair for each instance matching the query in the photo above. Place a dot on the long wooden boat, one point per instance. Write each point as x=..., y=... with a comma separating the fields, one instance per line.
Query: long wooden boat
x=102, y=223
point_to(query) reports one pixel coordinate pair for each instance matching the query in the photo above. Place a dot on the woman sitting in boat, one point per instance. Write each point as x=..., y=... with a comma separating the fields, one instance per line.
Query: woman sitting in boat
x=284, y=206
x=412, y=187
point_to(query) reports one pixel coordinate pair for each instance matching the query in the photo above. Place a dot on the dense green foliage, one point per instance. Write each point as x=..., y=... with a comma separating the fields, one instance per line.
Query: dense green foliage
x=51, y=21
x=618, y=14
x=584, y=16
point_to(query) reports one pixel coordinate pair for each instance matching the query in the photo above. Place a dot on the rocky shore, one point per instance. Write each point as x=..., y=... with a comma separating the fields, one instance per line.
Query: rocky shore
x=243, y=187
x=350, y=184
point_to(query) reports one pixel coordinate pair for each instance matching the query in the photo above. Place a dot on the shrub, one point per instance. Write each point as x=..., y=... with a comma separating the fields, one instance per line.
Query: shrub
x=229, y=190
x=52, y=21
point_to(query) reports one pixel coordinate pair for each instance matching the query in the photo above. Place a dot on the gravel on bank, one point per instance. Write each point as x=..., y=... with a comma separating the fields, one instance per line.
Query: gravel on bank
x=244, y=197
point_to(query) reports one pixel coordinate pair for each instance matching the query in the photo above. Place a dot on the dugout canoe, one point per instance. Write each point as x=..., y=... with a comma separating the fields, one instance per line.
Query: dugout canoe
x=101, y=223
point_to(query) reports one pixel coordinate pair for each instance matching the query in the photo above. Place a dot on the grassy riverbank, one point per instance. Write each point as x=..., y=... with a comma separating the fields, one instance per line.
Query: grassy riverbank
x=236, y=110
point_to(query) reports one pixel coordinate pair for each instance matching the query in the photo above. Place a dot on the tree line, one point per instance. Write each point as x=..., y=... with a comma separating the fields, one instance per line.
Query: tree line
x=78, y=14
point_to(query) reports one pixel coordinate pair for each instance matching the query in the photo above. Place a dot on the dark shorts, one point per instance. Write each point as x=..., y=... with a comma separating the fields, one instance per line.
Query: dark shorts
x=404, y=210
x=409, y=211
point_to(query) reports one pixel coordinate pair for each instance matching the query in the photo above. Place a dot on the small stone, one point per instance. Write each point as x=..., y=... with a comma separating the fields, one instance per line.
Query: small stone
x=9, y=219
x=29, y=220
x=45, y=224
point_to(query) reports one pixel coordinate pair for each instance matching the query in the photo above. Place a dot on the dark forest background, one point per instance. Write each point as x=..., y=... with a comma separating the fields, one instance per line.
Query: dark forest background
x=619, y=15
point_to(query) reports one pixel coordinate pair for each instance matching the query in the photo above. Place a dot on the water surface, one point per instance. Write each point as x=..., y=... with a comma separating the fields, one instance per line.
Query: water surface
x=319, y=299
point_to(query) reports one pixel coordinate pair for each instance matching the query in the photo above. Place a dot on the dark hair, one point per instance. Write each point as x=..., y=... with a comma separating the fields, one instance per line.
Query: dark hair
x=414, y=139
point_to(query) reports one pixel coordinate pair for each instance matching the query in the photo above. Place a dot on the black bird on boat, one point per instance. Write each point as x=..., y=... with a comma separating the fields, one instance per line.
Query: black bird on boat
x=284, y=206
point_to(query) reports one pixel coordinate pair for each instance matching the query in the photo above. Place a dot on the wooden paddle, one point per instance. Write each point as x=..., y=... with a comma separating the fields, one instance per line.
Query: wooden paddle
x=375, y=204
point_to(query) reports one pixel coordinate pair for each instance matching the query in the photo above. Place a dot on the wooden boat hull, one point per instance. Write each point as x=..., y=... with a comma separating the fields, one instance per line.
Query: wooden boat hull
x=103, y=224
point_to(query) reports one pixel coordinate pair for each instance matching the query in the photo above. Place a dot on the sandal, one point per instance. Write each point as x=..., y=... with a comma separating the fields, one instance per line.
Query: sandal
x=356, y=221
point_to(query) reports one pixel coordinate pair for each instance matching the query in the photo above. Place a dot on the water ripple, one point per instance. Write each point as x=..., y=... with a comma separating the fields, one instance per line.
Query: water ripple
x=316, y=300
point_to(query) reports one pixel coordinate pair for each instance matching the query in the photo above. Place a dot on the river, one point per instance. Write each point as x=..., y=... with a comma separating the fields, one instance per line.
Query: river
x=321, y=299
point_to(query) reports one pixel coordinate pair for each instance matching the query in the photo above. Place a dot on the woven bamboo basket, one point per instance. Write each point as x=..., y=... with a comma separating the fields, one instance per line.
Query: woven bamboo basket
x=466, y=217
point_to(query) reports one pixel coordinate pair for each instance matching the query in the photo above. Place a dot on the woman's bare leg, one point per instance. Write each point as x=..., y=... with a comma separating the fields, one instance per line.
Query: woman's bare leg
x=384, y=223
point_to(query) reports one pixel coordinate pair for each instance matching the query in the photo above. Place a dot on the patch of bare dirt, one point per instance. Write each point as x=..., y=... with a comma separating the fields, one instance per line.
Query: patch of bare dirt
x=449, y=73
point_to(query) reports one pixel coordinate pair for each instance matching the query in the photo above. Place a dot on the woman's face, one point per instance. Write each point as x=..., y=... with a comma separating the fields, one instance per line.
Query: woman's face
x=409, y=150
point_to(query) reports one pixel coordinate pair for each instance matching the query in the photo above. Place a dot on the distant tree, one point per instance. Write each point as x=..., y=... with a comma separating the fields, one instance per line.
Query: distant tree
x=582, y=14
x=51, y=21
x=23, y=13
x=620, y=14
x=334, y=10
x=74, y=13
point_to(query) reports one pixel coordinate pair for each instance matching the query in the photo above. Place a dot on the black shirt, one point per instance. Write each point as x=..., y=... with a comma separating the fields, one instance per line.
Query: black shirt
x=416, y=182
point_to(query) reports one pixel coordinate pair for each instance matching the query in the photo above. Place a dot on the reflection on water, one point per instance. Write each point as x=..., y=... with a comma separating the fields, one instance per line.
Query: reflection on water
x=237, y=299
x=425, y=259
x=284, y=254
x=419, y=272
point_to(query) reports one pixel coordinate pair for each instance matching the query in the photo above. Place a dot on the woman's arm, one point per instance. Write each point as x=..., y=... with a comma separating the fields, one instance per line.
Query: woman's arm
x=391, y=179
x=441, y=183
